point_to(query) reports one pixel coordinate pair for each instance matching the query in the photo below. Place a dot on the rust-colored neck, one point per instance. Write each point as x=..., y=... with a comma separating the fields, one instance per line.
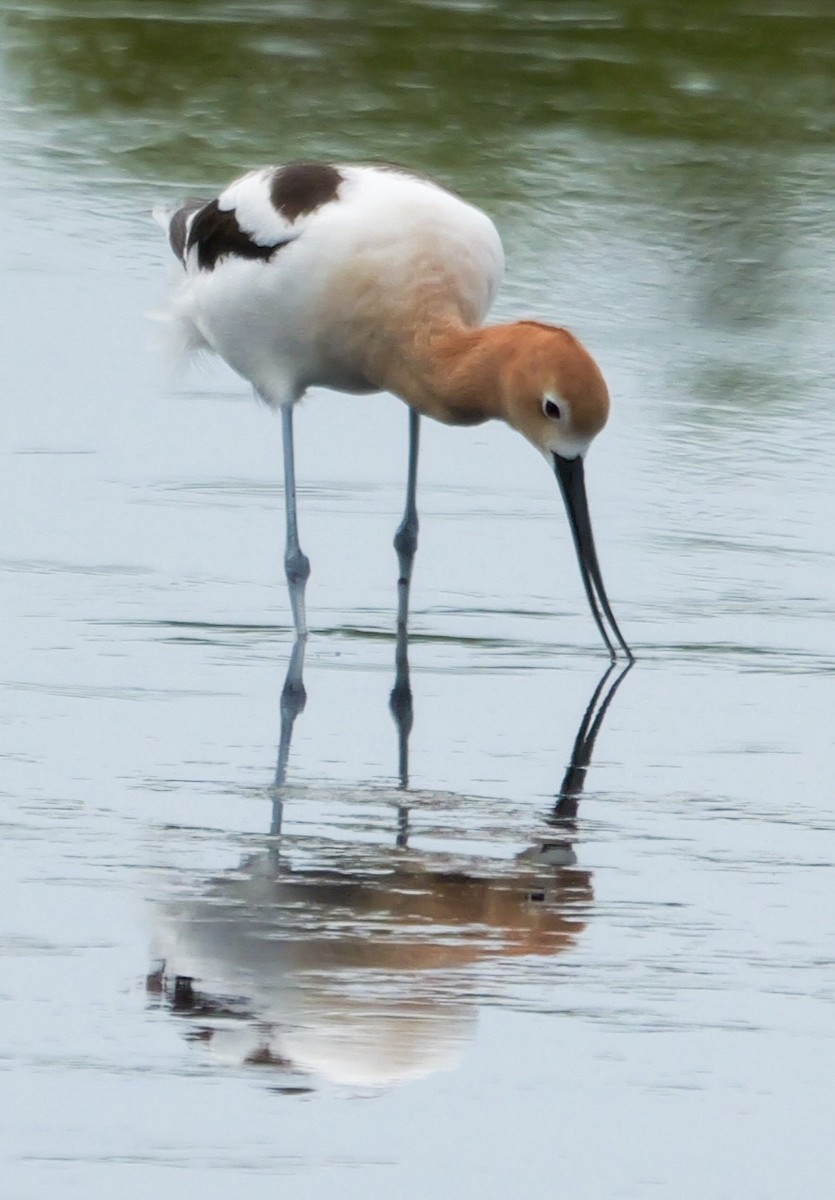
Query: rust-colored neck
x=450, y=372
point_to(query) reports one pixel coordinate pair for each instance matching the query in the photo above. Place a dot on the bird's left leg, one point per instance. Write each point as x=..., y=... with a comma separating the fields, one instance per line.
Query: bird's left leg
x=296, y=564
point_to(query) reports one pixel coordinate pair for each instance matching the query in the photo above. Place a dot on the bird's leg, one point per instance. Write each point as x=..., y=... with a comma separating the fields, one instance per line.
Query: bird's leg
x=405, y=540
x=296, y=564
x=400, y=701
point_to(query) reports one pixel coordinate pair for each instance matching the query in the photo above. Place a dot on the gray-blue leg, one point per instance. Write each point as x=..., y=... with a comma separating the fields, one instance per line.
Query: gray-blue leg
x=405, y=543
x=405, y=540
x=296, y=564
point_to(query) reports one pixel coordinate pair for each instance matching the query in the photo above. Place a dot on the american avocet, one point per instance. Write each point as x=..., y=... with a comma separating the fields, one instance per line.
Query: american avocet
x=368, y=278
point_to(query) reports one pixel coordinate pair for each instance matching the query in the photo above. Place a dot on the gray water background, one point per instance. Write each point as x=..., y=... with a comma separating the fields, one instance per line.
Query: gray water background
x=654, y=1019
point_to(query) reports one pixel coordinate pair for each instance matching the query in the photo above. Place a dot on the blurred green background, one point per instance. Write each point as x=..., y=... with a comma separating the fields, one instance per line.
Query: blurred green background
x=661, y=172
x=176, y=87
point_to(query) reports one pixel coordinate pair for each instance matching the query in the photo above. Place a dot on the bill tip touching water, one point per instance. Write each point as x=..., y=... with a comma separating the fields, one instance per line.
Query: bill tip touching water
x=370, y=278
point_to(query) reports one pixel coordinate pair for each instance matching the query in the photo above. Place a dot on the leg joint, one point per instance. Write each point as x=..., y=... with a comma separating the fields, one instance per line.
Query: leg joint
x=297, y=566
x=406, y=538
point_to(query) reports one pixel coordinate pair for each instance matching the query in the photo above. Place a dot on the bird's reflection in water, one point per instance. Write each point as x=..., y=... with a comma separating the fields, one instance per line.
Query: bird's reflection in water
x=359, y=963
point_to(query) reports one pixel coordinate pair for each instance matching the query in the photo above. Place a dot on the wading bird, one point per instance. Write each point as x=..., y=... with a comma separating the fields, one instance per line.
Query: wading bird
x=369, y=278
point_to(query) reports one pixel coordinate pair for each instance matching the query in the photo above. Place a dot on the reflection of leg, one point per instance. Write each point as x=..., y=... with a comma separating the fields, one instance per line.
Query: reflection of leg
x=402, y=827
x=405, y=543
x=400, y=703
x=296, y=564
x=293, y=700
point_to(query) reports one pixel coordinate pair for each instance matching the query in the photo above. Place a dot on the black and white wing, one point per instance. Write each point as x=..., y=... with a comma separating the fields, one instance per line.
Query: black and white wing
x=253, y=218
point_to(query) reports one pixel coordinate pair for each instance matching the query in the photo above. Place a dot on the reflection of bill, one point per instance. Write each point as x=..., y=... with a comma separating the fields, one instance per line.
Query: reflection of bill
x=364, y=969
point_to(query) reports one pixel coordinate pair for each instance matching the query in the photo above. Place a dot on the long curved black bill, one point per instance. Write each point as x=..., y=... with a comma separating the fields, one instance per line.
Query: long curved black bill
x=569, y=472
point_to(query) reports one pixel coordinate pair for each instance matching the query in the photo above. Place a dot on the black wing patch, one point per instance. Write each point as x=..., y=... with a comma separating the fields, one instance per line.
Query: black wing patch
x=300, y=188
x=295, y=191
x=178, y=227
x=216, y=232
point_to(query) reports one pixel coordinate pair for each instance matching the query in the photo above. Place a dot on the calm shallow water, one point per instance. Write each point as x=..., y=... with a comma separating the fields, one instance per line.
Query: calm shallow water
x=404, y=990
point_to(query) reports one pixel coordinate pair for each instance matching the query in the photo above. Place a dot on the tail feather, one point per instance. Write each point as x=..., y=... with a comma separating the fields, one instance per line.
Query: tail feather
x=177, y=337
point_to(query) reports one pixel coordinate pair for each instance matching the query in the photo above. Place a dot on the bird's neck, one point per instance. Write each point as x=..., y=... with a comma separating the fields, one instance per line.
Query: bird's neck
x=451, y=372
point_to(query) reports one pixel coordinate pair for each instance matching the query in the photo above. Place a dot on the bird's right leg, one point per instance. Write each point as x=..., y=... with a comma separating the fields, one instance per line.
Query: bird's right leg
x=296, y=564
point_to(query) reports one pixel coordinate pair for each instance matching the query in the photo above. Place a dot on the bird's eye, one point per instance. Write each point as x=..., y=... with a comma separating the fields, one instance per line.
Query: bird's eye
x=551, y=410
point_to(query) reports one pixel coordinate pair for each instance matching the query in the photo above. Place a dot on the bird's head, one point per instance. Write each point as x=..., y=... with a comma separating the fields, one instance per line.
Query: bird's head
x=555, y=395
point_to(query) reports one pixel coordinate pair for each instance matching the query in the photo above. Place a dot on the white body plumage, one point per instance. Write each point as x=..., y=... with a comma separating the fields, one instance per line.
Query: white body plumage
x=331, y=276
